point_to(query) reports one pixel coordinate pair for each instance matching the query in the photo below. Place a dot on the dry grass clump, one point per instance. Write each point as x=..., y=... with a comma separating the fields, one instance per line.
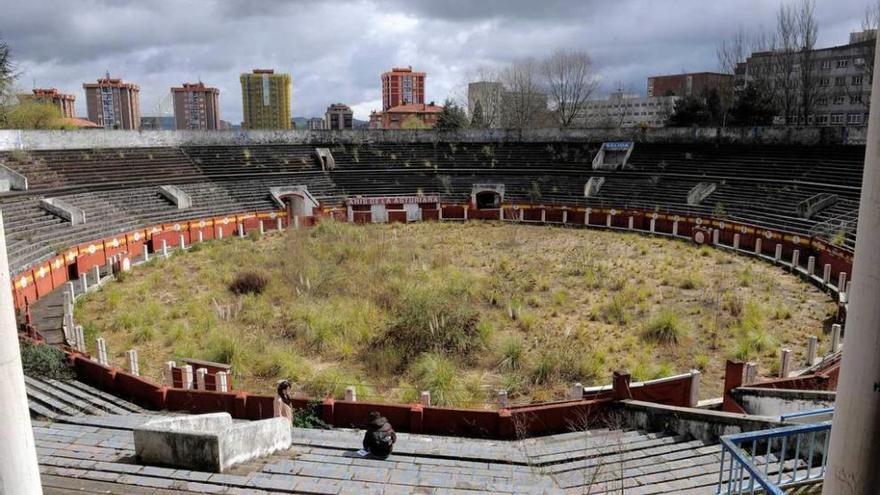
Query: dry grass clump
x=461, y=310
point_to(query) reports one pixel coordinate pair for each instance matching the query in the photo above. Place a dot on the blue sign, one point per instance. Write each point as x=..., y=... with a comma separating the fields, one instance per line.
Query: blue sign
x=617, y=145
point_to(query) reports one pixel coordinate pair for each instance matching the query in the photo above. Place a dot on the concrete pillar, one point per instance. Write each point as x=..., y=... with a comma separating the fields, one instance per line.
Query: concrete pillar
x=146, y=253
x=564, y=216
x=241, y=230
x=758, y=246
x=543, y=215
x=72, y=289
x=102, y=350
x=812, y=350
x=187, y=376
x=465, y=212
x=182, y=241
x=785, y=363
x=279, y=225
x=695, y=388
x=675, y=228
x=220, y=233
x=502, y=399
x=349, y=214
x=80, y=339
x=841, y=282
x=425, y=398
x=164, y=249
x=296, y=221
x=608, y=220
x=777, y=256
x=751, y=373
x=736, y=242
x=795, y=259
x=85, y=283
x=133, y=366
x=262, y=229
x=221, y=382
x=653, y=225
x=855, y=437
x=96, y=271
x=168, y=373
x=577, y=391
x=200, y=378
x=631, y=223
x=716, y=235
x=109, y=269
x=835, y=338
x=439, y=212
x=811, y=266
x=350, y=394
x=19, y=472
x=826, y=274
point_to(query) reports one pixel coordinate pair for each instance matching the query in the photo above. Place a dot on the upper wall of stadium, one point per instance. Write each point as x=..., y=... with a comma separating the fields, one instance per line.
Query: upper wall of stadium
x=35, y=140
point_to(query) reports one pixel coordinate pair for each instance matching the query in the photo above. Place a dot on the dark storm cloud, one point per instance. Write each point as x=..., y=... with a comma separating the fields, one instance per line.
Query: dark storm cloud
x=335, y=50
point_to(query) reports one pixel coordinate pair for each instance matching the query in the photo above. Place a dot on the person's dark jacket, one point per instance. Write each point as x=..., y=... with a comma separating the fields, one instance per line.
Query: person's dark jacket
x=380, y=436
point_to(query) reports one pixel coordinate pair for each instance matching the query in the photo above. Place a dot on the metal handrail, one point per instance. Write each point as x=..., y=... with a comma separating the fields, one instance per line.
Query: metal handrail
x=806, y=414
x=746, y=475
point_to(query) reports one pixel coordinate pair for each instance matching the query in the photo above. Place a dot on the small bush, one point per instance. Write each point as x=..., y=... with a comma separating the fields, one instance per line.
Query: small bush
x=248, y=283
x=310, y=417
x=44, y=361
x=616, y=311
x=441, y=377
x=664, y=328
x=512, y=353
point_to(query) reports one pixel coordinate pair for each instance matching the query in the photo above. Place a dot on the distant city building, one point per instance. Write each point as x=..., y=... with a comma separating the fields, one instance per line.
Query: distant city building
x=51, y=96
x=622, y=110
x=402, y=86
x=691, y=84
x=265, y=98
x=158, y=123
x=842, y=82
x=393, y=118
x=196, y=107
x=113, y=103
x=316, y=124
x=338, y=117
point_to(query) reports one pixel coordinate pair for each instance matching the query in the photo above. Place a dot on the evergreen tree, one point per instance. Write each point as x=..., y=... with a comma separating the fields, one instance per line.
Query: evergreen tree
x=751, y=107
x=451, y=118
x=477, y=120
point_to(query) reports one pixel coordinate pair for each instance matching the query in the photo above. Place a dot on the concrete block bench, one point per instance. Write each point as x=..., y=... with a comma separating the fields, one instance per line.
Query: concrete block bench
x=209, y=442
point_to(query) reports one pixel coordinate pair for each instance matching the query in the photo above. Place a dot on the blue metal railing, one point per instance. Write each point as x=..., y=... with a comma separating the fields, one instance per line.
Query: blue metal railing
x=786, y=460
x=807, y=414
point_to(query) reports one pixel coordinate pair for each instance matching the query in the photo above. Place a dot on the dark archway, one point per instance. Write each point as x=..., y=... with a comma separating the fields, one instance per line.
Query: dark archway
x=487, y=200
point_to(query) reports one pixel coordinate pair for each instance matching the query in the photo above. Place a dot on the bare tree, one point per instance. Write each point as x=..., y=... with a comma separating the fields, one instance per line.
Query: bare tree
x=807, y=30
x=486, y=88
x=785, y=60
x=7, y=78
x=524, y=104
x=570, y=81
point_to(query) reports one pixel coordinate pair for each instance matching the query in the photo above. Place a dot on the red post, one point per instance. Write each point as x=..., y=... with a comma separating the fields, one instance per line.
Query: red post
x=416, y=418
x=327, y=413
x=620, y=386
x=733, y=378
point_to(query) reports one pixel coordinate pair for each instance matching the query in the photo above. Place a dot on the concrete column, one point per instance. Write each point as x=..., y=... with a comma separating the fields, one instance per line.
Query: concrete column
x=695, y=388
x=841, y=282
x=85, y=283
x=187, y=376
x=826, y=274
x=97, y=272
x=182, y=241
x=220, y=233
x=543, y=215
x=221, y=381
x=785, y=363
x=109, y=270
x=811, y=266
x=716, y=235
x=262, y=229
x=812, y=350
x=522, y=215
x=133, y=366
x=19, y=472
x=349, y=214
x=795, y=259
x=835, y=338
x=102, y=350
x=201, y=237
x=736, y=242
x=279, y=225
x=608, y=220
x=425, y=398
x=653, y=225
x=164, y=249
x=200, y=378
x=577, y=391
x=146, y=253
x=855, y=437
x=465, y=212
x=439, y=212
x=777, y=256
x=758, y=247
x=751, y=373
x=295, y=222
x=502, y=399
x=564, y=216
x=168, y=373
x=350, y=394
x=80, y=339
x=241, y=230
x=675, y=228
x=631, y=223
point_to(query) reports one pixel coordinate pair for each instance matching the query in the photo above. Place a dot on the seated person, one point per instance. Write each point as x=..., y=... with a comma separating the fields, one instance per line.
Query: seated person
x=379, y=438
x=283, y=405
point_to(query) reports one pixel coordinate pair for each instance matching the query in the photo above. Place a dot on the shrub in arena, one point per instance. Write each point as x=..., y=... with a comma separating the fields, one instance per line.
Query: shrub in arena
x=248, y=283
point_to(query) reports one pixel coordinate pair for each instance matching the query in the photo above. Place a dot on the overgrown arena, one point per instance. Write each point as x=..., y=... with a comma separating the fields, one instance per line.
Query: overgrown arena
x=479, y=284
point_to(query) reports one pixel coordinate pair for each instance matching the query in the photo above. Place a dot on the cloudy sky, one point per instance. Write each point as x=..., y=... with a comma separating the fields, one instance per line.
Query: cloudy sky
x=336, y=50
